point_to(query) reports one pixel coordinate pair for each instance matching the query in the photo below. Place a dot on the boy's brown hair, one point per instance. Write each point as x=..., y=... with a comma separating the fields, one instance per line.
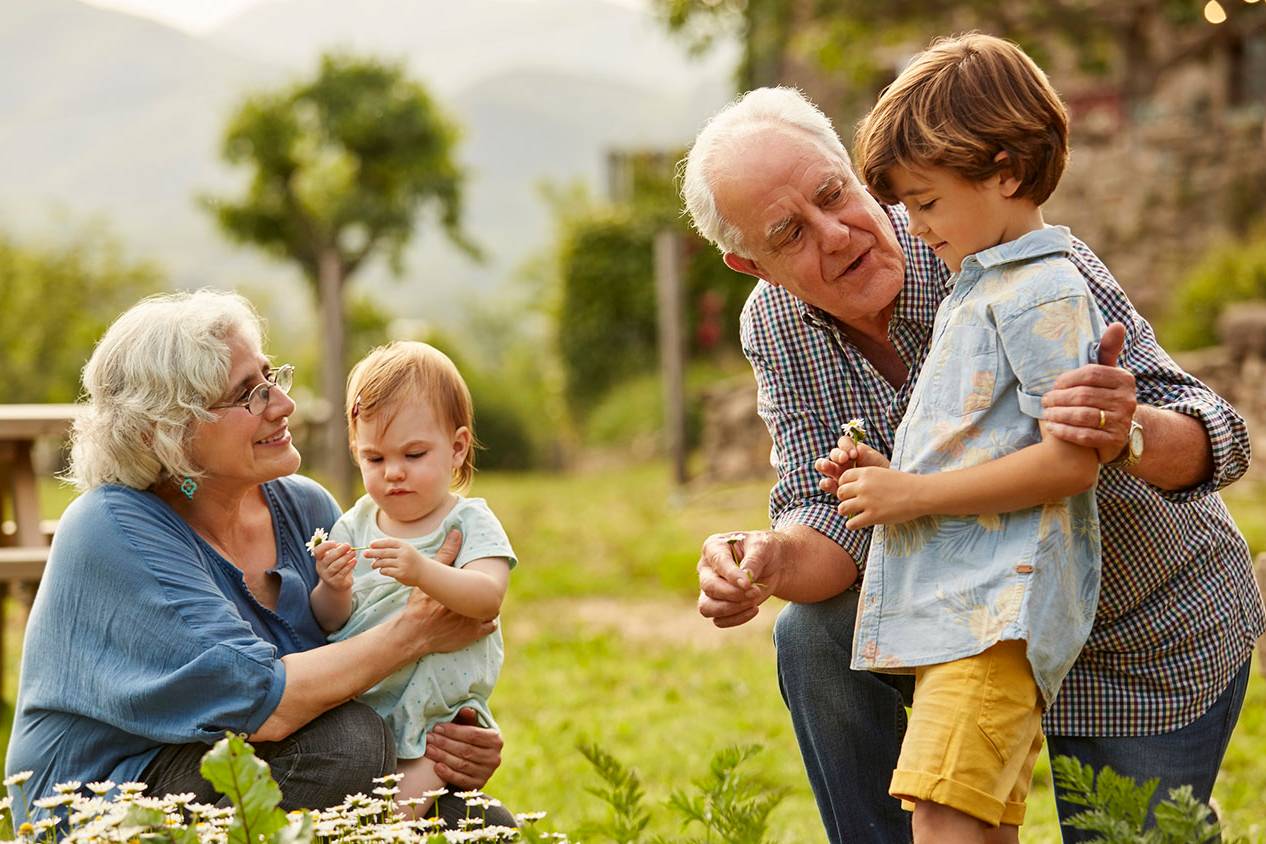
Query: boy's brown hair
x=406, y=370
x=957, y=105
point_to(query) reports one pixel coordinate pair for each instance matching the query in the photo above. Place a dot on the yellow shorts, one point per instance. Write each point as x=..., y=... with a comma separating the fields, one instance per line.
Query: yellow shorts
x=974, y=735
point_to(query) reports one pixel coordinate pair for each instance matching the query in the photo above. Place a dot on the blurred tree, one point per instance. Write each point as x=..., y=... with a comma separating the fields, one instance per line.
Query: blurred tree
x=55, y=303
x=1138, y=42
x=604, y=310
x=342, y=167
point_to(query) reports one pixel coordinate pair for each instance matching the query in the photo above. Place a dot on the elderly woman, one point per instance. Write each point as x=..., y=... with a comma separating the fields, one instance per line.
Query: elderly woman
x=175, y=602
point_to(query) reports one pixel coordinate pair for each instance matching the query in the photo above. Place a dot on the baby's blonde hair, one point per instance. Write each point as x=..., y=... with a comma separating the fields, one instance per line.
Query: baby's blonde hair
x=406, y=370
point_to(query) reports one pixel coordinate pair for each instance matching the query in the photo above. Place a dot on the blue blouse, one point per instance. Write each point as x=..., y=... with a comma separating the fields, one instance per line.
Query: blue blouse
x=142, y=635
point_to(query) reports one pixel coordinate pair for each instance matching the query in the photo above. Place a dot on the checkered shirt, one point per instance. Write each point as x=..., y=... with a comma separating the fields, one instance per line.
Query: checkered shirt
x=1179, y=610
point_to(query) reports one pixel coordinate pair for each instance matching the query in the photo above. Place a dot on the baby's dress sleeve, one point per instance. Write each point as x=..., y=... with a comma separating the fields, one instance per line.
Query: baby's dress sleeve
x=482, y=535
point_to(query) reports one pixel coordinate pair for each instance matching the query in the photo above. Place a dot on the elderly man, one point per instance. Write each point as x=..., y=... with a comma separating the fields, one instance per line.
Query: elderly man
x=837, y=328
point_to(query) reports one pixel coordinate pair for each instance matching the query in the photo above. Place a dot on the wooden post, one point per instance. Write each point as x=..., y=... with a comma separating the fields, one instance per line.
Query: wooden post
x=334, y=441
x=671, y=348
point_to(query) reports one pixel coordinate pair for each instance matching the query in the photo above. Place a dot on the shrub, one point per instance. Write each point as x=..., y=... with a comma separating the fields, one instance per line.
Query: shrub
x=1230, y=273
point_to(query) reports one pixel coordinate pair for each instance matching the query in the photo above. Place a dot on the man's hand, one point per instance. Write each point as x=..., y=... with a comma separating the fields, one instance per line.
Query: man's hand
x=876, y=496
x=335, y=565
x=465, y=755
x=1093, y=394
x=737, y=572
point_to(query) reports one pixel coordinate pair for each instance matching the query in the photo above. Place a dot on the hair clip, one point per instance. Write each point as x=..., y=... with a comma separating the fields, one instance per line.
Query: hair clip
x=356, y=407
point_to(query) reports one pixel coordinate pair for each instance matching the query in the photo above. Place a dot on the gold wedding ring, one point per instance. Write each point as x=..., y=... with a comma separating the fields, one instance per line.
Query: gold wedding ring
x=1103, y=418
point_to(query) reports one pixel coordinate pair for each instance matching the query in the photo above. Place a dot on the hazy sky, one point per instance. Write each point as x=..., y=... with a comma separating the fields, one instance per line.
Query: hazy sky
x=198, y=16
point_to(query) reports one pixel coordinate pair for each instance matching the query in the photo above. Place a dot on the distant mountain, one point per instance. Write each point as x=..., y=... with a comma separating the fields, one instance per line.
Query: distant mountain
x=454, y=45
x=120, y=117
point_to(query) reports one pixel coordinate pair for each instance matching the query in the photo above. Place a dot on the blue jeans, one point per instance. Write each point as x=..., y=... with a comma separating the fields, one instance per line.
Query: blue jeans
x=850, y=724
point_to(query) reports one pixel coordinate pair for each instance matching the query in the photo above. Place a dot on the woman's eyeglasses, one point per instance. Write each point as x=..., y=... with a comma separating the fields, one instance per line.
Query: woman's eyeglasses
x=256, y=401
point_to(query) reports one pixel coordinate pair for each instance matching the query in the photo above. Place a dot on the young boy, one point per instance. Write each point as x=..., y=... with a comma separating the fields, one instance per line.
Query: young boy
x=983, y=576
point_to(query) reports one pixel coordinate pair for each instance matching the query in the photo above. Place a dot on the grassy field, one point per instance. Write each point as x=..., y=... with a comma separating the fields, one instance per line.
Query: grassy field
x=603, y=645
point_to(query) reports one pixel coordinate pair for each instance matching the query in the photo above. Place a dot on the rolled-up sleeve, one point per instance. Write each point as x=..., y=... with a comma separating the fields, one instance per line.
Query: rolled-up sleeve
x=800, y=436
x=150, y=643
x=1162, y=383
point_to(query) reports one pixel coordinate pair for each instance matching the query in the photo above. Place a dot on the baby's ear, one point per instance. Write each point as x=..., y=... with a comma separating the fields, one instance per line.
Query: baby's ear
x=1008, y=180
x=461, y=446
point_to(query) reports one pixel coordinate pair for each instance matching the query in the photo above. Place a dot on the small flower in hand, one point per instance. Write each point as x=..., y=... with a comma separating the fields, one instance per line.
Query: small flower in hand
x=855, y=430
x=318, y=536
x=733, y=541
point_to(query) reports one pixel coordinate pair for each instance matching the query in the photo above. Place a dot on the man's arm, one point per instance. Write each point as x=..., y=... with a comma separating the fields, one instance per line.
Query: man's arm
x=1196, y=443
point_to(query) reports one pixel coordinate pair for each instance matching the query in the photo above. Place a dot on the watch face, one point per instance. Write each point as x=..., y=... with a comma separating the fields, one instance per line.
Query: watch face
x=1136, y=442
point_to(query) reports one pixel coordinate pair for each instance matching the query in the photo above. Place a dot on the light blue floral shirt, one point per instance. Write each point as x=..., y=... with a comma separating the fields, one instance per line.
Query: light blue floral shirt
x=942, y=588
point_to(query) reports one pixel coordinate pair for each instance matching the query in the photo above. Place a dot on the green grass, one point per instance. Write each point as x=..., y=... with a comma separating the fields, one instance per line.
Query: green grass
x=604, y=645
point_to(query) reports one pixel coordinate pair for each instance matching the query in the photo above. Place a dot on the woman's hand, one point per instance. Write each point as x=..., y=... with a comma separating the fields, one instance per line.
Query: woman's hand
x=465, y=755
x=335, y=565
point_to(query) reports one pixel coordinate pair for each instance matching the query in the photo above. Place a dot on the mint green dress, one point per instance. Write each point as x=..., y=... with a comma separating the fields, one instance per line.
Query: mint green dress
x=419, y=696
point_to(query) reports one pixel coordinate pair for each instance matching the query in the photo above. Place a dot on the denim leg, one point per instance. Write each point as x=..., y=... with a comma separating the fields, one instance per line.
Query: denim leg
x=336, y=754
x=849, y=724
x=1187, y=756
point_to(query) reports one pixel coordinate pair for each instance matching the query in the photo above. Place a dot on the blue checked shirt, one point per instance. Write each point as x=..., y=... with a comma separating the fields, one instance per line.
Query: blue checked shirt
x=1178, y=608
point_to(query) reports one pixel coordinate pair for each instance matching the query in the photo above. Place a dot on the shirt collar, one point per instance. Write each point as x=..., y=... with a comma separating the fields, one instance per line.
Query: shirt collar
x=1050, y=240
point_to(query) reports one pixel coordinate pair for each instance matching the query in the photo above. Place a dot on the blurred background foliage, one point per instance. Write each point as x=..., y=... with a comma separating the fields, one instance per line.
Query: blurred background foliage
x=1234, y=271
x=56, y=299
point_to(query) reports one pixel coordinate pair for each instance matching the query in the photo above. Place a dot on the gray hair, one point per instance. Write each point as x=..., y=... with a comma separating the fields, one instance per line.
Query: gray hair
x=762, y=108
x=149, y=382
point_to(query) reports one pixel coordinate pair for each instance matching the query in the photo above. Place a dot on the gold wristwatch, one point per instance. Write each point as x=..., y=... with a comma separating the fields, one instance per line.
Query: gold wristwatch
x=1133, y=451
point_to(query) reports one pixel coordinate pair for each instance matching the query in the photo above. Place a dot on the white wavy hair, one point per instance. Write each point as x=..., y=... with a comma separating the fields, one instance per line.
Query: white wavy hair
x=149, y=382
x=761, y=108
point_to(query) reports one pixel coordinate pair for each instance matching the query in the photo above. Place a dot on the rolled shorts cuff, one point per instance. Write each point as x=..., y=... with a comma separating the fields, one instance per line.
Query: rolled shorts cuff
x=910, y=786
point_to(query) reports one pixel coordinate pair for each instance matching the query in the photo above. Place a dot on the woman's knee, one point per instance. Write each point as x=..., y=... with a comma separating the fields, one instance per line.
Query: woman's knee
x=352, y=737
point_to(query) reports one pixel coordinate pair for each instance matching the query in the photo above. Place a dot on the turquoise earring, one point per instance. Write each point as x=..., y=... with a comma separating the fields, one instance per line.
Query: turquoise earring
x=189, y=486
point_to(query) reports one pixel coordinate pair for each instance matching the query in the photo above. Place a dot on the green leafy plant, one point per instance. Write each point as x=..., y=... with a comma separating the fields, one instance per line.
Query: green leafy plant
x=730, y=805
x=622, y=792
x=232, y=767
x=1116, y=808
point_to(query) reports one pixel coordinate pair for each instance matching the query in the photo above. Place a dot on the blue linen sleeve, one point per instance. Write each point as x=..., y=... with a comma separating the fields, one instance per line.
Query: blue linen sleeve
x=151, y=645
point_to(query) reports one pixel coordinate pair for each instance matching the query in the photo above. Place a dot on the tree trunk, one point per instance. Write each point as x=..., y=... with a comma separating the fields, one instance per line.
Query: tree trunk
x=334, y=442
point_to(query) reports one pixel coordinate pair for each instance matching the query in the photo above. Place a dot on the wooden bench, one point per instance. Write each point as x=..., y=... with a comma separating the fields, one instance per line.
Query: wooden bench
x=20, y=573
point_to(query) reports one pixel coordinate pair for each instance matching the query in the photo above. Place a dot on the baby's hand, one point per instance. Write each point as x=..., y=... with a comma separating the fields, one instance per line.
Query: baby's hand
x=397, y=559
x=335, y=564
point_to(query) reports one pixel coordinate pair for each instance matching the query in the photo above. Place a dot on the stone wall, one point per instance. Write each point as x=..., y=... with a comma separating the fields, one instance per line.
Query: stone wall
x=1153, y=197
x=1236, y=370
x=734, y=437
